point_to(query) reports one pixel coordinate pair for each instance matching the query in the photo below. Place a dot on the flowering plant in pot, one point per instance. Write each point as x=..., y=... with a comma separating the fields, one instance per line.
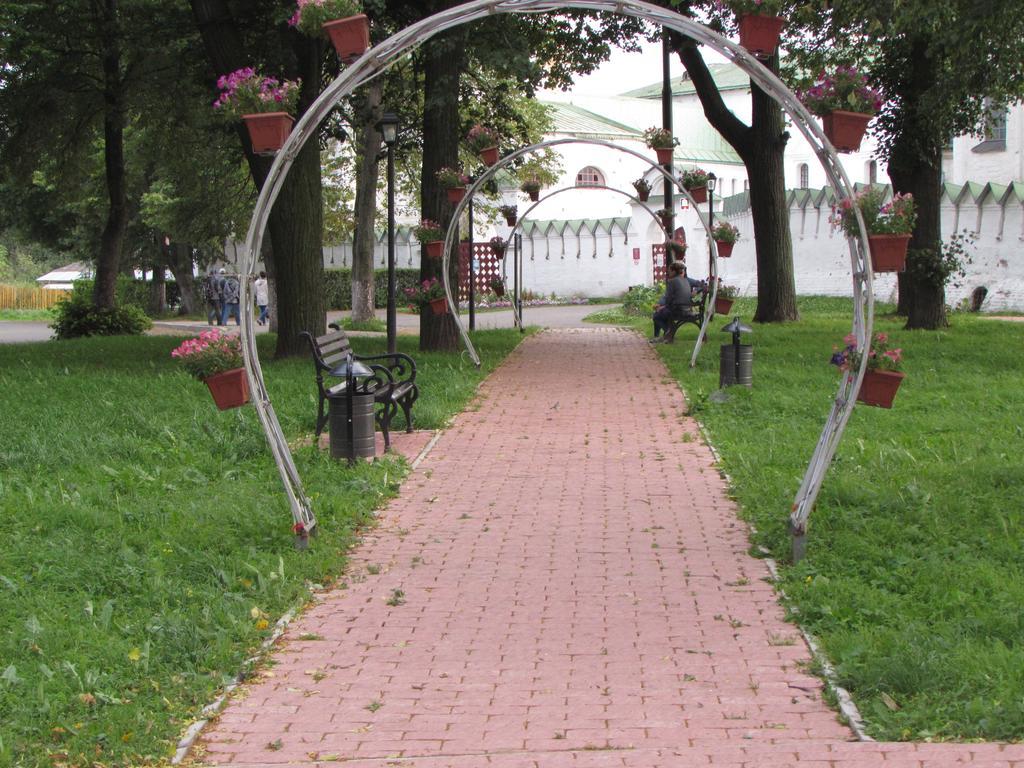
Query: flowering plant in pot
x=846, y=103
x=725, y=236
x=498, y=286
x=498, y=245
x=454, y=183
x=889, y=225
x=510, y=212
x=343, y=21
x=429, y=293
x=724, y=298
x=643, y=189
x=883, y=375
x=531, y=187
x=484, y=142
x=431, y=237
x=662, y=142
x=265, y=104
x=666, y=217
x=760, y=24
x=216, y=358
x=695, y=181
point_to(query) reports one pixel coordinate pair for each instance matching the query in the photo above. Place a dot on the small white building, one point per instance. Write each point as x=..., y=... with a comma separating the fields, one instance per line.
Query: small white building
x=63, y=278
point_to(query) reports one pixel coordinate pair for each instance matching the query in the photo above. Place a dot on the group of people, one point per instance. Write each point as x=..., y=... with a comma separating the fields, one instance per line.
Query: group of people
x=223, y=294
x=678, y=299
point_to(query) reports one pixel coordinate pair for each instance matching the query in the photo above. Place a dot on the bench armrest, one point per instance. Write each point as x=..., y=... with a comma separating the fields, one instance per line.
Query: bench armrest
x=399, y=364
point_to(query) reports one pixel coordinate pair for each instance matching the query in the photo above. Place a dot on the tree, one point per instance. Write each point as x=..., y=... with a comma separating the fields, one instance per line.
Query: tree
x=72, y=73
x=943, y=66
x=762, y=147
x=258, y=34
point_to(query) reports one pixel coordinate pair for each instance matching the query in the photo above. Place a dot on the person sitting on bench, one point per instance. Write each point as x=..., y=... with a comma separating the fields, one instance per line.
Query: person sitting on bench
x=678, y=299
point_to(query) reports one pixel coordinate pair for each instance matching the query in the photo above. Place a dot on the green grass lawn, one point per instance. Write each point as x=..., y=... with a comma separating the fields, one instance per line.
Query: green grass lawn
x=914, y=579
x=26, y=315
x=148, y=544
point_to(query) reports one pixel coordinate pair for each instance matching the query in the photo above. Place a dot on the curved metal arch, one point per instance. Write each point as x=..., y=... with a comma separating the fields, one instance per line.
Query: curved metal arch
x=513, y=156
x=389, y=52
x=521, y=222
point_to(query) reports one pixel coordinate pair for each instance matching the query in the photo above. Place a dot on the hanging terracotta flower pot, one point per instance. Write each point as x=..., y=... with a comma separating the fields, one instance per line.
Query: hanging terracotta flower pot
x=230, y=389
x=489, y=156
x=498, y=286
x=760, y=34
x=643, y=195
x=699, y=194
x=724, y=249
x=350, y=36
x=723, y=306
x=455, y=194
x=268, y=131
x=439, y=306
x=434, y=249
x=664, y=154
x=511, y=218
x=845, y=129
x=888, y=252
x=879, y=387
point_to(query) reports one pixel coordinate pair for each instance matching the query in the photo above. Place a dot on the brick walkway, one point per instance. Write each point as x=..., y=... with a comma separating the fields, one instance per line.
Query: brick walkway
x=537, y=597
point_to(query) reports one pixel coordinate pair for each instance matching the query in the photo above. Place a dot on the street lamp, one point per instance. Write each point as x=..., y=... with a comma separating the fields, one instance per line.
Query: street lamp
x=388, y=127
x=711, y=184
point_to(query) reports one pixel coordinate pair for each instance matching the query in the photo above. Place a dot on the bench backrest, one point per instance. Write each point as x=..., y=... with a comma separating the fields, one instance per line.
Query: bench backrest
x=334, y=347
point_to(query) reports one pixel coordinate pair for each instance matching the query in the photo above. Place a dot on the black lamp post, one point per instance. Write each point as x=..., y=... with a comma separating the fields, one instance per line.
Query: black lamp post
x=711, y=184
x=388, y=126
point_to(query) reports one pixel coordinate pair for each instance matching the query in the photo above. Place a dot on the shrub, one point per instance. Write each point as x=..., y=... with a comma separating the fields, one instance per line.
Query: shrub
x=639, y=301
x=338, y=286
x=76, y=317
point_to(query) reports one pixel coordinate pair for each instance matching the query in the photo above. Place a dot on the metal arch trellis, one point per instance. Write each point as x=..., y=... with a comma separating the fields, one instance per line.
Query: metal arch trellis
x=521, y=222
x=511, y=157
x=389, y=52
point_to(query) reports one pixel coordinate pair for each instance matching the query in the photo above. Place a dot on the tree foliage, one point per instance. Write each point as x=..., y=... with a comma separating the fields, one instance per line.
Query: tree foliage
x=945, y=67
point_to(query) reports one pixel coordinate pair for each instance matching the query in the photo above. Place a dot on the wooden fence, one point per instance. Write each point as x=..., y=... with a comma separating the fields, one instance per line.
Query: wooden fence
x=29, y=297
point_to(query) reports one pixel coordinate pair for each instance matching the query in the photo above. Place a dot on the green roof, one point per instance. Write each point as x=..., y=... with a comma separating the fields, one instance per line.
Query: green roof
x=728, y=77
x=582, y=123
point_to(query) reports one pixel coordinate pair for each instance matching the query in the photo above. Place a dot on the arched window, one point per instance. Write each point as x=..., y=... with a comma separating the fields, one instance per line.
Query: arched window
x=805, y=175
x=872, y=172
x=590, y=177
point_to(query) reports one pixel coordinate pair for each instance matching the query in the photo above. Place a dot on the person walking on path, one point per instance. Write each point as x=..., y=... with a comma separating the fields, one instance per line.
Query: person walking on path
x=212, y=294
x=262, y=292
x=232, y=296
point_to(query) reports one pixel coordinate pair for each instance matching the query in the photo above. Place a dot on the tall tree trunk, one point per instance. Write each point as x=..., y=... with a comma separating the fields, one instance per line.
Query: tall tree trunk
x=762, y=147
x=776, y=284
x=112, y=238
x=367, y=173
x=296, y=222
x=915, y=166
x=442, y=64
x=179, y=261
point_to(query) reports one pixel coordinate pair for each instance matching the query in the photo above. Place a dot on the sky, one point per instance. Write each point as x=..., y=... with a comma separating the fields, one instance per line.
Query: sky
x=626, y=71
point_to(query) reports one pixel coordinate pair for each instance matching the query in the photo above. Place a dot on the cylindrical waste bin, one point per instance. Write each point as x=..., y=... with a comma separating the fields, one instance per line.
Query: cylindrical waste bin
x=727, y=366
x=361, y=441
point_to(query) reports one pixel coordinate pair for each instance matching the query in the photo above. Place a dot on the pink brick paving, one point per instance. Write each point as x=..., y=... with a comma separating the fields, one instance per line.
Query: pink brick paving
x=561, y=606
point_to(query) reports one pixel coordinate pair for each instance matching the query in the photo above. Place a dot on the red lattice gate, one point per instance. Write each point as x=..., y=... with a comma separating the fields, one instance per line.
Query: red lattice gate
x=658, y=256
x=488, y=267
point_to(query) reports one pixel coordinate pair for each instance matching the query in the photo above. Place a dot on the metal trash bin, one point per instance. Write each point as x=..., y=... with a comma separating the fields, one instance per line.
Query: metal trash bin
x=736, y=363
x=727, y=366
x=361, y=440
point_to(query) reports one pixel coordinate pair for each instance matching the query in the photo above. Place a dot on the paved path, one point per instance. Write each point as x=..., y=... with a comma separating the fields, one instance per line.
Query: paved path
x=537, y=597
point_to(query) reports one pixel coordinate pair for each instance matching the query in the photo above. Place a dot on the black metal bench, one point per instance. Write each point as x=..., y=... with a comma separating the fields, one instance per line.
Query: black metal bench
x=695, y=316
x=393, y=383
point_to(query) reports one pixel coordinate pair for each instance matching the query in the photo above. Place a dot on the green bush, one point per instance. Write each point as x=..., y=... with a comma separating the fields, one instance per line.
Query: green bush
x=639, y=300
x=338, y=286
x=76, y=317
x=131, y=291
